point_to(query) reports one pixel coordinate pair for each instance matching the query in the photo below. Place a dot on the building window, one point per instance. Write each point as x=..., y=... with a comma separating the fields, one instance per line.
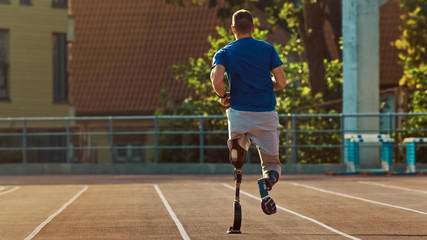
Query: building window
x=25, y=2
x=129, y=153
x=60, y=82
x=4, y=64
x=59, y=3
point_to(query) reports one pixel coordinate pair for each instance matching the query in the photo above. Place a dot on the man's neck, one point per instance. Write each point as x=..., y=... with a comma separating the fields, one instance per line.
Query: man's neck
x=242, y=36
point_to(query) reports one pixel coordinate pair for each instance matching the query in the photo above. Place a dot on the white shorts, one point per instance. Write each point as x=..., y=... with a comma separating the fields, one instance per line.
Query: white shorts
x=263, y=128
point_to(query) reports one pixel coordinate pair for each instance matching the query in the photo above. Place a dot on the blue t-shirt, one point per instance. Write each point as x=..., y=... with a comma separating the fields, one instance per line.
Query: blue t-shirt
x=248, y=63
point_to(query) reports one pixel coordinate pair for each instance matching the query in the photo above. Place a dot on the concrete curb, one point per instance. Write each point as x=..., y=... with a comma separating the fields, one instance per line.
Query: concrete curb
x=167, y=168
x=164, y=168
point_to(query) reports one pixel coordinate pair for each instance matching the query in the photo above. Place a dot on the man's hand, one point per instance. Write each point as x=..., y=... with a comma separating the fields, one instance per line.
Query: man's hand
x=279, y=80
x=225, y=101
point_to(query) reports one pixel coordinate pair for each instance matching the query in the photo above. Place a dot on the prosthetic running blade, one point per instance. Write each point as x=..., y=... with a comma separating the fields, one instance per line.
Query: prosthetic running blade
x=235, y=229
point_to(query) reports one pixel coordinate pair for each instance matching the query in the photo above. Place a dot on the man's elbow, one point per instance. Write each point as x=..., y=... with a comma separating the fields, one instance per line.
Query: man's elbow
x=216, y=81
x=216, y=84
x=212, y=75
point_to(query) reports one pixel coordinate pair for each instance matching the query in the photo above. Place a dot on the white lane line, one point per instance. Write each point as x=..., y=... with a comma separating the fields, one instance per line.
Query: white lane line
x=2, y=188
x=10, y=190
x=394, y=187
x=174, y=218
x=358, y=198
x=299, y=215
x=37, y=230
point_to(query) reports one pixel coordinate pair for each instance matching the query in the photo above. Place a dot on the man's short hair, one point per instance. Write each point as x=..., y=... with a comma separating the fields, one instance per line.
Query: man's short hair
x=243, y=22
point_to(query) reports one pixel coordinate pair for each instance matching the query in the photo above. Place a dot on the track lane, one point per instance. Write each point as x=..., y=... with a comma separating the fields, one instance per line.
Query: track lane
x=178, y=224
x=407, y=189
x=206, y=212
x=354, y=217
x=339, y=194
x=299, y=215
x=113, y=211
x=398, y=197
x=5, y=190
x=127, y=207
x=59, y=211
x=24, y=209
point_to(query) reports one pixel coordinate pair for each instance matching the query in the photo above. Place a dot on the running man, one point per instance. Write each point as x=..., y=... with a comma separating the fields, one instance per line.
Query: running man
x=248, y=64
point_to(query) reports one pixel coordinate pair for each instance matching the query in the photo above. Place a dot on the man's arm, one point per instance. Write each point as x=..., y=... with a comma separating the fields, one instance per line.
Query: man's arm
x=217, y=78
x=279, y=80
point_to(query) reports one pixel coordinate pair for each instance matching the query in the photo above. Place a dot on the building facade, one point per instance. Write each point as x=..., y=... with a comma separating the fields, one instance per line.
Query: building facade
x=33, y=58
x=33, y=77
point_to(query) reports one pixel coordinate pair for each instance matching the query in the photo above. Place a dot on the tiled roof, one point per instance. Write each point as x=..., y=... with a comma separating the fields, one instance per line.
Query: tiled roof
x=123, y=51
x=390, y=70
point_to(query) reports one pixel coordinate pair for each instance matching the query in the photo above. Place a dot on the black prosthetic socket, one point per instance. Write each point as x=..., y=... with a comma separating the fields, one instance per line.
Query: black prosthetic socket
x=271, y=178
x=237, y=154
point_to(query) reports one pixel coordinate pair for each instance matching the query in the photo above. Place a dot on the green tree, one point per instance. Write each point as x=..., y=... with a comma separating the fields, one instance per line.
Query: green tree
x=413, y=43
x=304, y=17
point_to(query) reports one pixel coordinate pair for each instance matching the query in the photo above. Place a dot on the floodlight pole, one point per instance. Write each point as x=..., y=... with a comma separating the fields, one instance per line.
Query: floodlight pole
x=360, y=31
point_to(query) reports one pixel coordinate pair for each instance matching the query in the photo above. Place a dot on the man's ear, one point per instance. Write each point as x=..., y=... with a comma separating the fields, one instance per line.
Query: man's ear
x=253, y=28
x=233, y=29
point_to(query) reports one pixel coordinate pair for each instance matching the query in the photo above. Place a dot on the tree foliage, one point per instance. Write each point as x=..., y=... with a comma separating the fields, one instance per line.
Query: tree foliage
x=303, y=17
x=413, y=43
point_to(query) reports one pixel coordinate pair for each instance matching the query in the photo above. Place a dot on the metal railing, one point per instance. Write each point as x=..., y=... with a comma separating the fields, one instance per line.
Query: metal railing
x=147, y=138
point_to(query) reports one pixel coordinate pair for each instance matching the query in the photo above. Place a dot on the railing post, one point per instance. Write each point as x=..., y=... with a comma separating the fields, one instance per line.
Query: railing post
x=288, y=151
x=111, y=140
x=391, y=118
x=156, y=129
x=343, y=150
x=294, y=140
x=68, y=140
x=201, y=144
x=24, y=141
